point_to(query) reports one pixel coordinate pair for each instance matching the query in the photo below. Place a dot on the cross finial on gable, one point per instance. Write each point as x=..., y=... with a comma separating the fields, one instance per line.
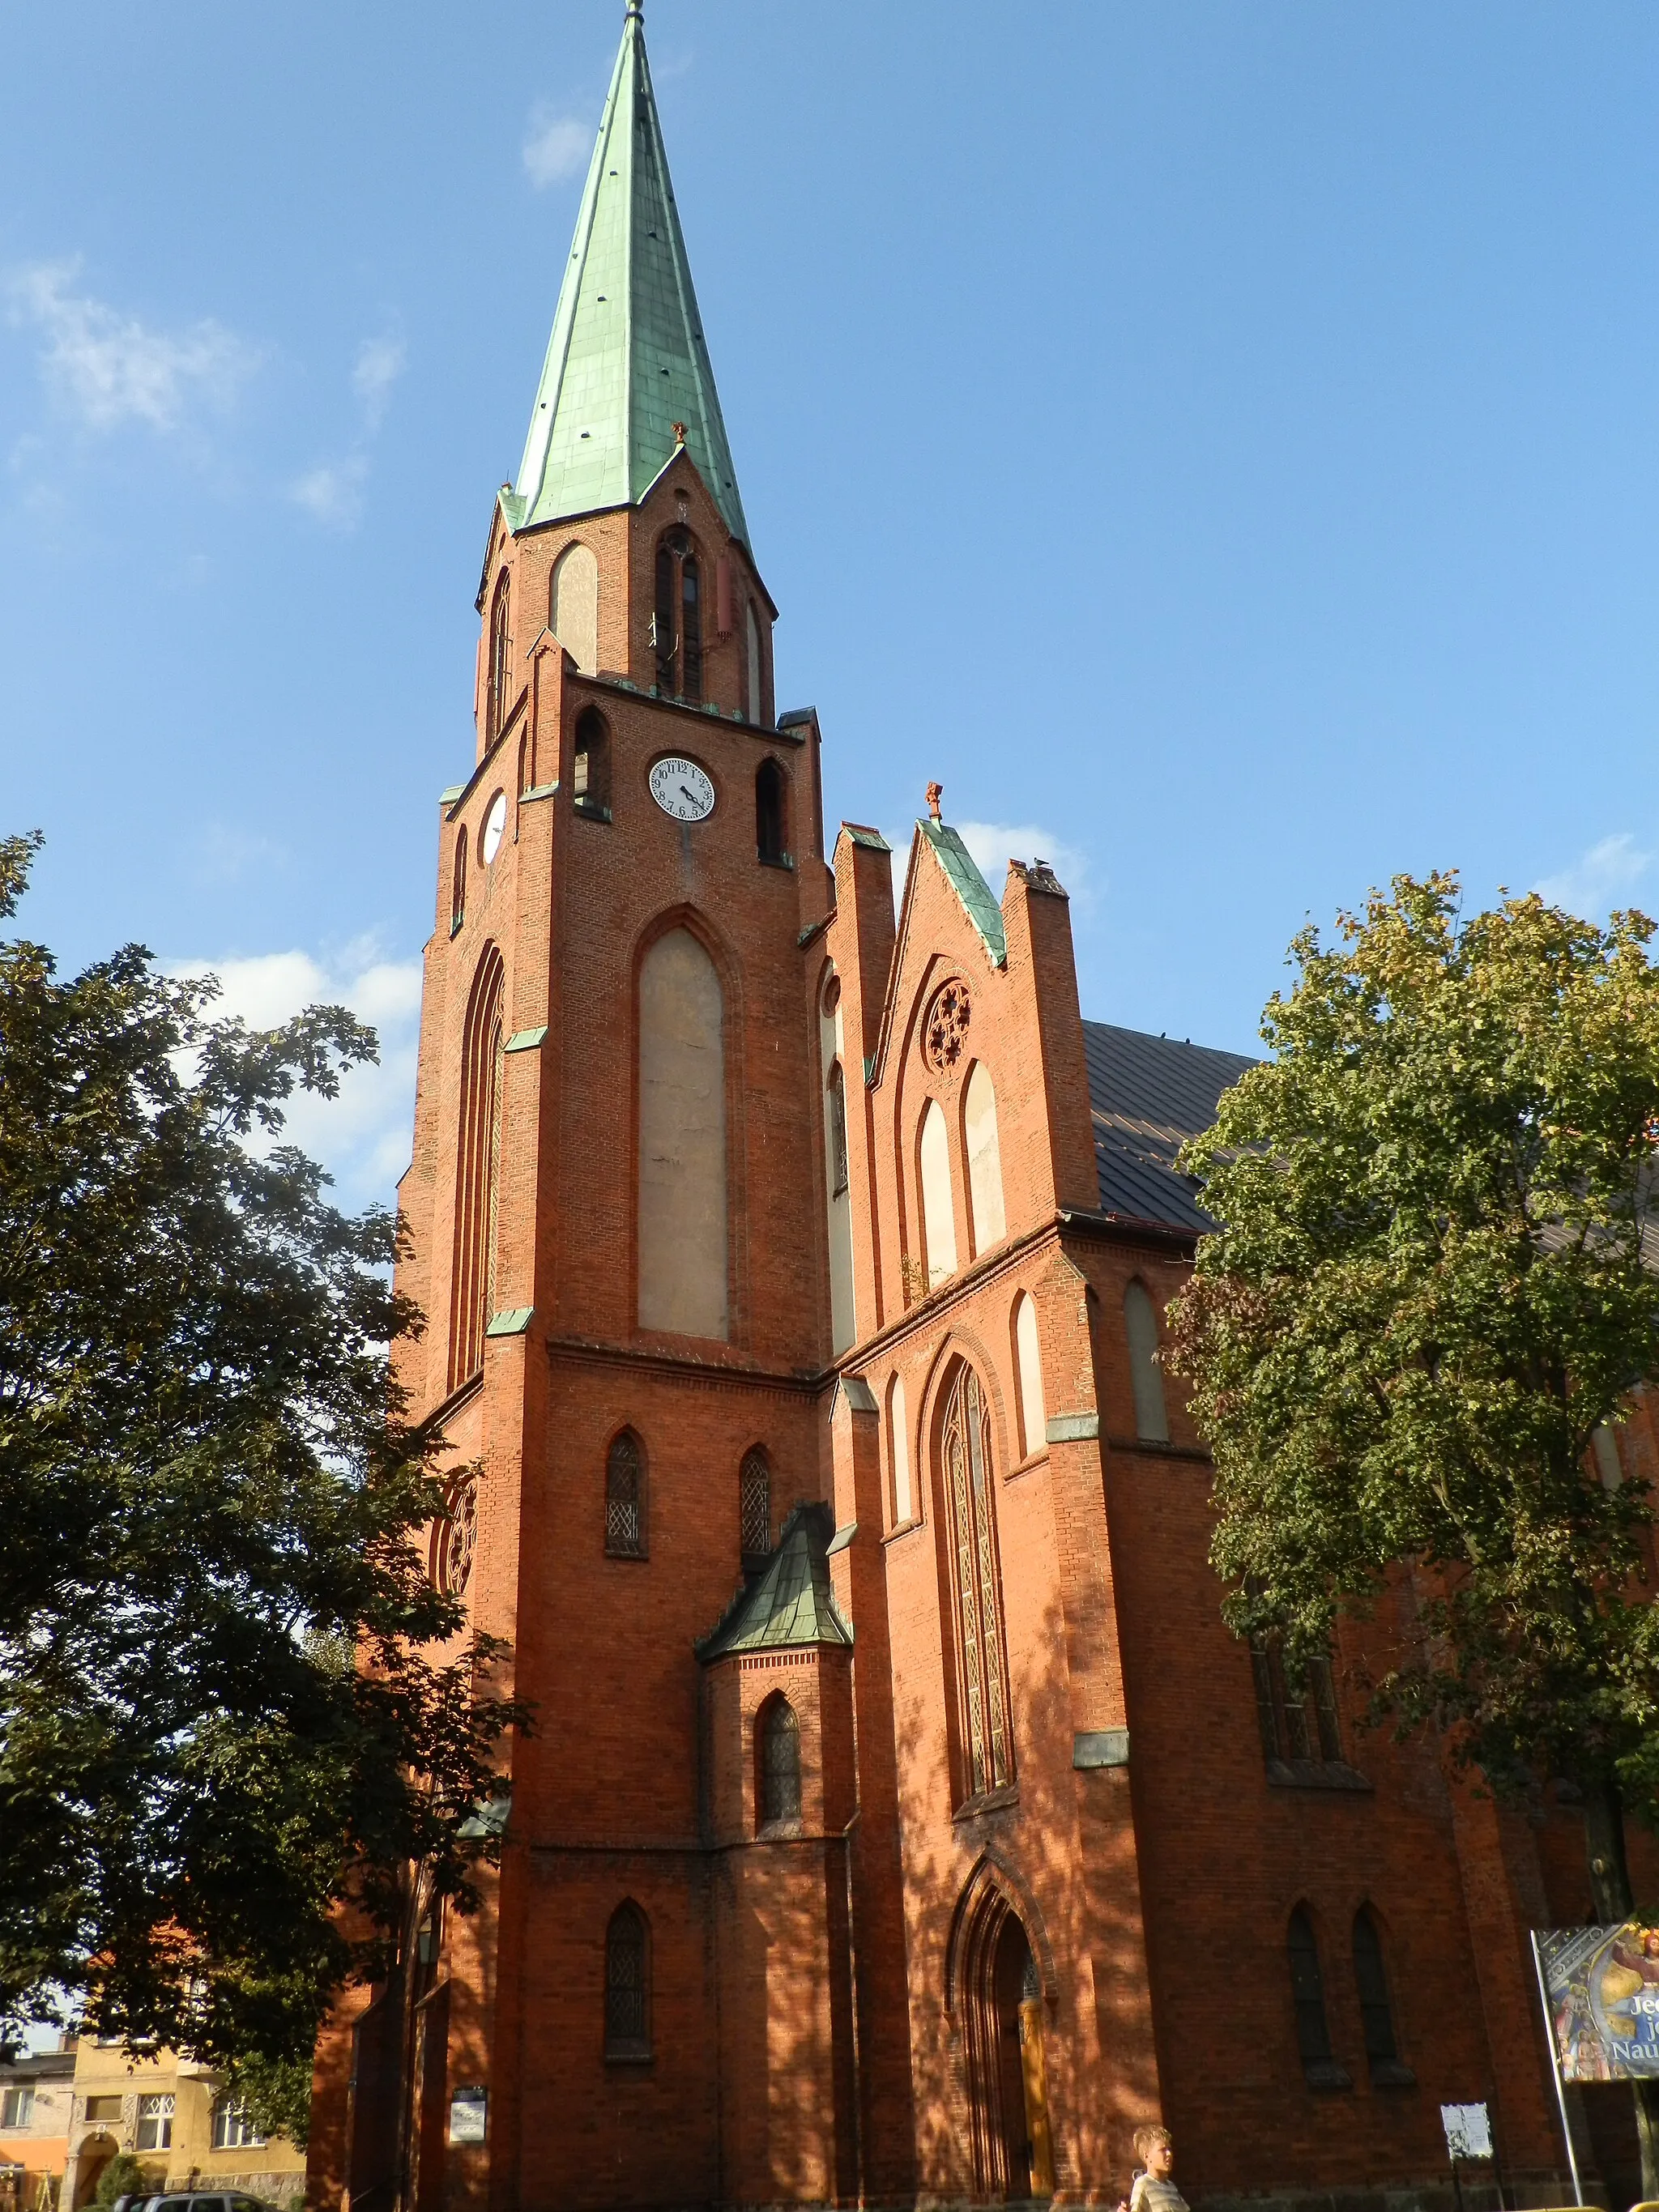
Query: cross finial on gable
x=935, y=793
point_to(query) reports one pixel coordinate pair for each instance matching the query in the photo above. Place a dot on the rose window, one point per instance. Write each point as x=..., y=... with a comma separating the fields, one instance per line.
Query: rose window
x=946, y=1030
x=459, y=1539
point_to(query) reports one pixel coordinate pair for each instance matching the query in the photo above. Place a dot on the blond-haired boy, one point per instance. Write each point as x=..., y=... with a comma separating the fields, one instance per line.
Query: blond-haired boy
x=1153, y=2191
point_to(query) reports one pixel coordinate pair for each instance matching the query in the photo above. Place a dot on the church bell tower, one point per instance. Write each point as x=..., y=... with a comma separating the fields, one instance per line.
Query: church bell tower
x=615, y=1208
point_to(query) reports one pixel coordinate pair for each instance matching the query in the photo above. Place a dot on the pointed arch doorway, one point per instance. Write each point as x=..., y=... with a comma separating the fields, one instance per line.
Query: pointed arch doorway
x=999, y=1994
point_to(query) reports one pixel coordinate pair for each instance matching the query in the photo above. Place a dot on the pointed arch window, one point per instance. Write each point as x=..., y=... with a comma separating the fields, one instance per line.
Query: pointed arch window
x=898, y=1454
x=590, y=767
x=755, y=1509
x=501, y=665
x=477, y=1171
x=625, y=1498
x=458, y=884
x=676, y=623
x=681, y=1141
x=1375, y=2013
x=837, y=1090
x=779, y=1730
x=754, y=697
x=939, y=1222
x=1027, y=1361
x=1140, y=1326
x=979, y=1124
x=573, y=605
x=771, y=815
x=987, y=1736
x=1313, y=2032
x=627, y=1984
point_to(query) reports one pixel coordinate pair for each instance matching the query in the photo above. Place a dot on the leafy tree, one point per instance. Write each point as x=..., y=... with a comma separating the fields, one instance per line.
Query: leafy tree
x=1430, y=1283
x=124, y=2176
x=221, y=1740
x=275, y=2094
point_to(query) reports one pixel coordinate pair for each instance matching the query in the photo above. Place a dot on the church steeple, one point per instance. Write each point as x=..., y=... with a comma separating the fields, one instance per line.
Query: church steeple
x=627, y=366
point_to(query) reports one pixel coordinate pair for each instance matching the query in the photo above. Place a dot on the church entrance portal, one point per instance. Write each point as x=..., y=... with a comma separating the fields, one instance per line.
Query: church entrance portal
x=1001, y=1996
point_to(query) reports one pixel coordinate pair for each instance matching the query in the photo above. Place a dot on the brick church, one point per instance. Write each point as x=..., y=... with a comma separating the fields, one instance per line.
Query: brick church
x=900, y=1823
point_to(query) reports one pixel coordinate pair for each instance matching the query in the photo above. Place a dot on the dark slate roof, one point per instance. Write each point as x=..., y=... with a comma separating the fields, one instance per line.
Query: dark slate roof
x=1149, y=1094
x=790, y=1602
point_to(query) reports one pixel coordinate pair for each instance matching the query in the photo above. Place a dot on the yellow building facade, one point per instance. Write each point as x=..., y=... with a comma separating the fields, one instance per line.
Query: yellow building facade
x=171, y=2114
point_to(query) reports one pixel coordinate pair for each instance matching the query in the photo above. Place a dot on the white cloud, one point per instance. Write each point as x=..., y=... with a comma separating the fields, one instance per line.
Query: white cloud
x=106, y=368
x=993, y=844
x=379, y=365
x=333, y=493
x=1593, y=885
x=555, y=146
x=362, y=1137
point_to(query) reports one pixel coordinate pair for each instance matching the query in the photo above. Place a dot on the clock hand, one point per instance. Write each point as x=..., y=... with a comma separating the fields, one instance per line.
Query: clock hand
x=691, y=795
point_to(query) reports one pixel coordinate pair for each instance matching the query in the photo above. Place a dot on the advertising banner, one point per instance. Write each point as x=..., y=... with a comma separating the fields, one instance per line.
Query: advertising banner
x=1601, y=1993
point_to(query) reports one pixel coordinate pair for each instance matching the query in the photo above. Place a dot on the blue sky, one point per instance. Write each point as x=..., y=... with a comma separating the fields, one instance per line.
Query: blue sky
x=1218, y=441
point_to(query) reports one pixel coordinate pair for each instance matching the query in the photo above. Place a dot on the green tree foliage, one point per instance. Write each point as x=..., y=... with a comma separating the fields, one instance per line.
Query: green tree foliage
x=211, y=1501
x=1431, y=1281
x=123, y=2177
x=275, y=2094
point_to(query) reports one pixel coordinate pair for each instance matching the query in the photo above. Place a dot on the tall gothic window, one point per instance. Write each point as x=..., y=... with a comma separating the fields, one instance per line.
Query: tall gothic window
x=677, y=624
x=771, y=825
x=1140, y=1326
x=780, y=1762
x=500, y=668
x=979, y=1129
x=458, y=884
x=627, y=1984
x=477, y=1179
x=1313, y=2032
x=754, y=694
x=755, y=1509
x=982, y=1647
x=1297, y=1713
x=681, y=1141
x=590, y=772
x=625, y=1498
x=1375, y=2013
x=837, y=1131
x=573, y=606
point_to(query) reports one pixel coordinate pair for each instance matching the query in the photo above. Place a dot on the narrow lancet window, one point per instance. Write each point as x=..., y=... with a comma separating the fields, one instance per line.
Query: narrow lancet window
x=938, y=1222
x=1033, y=1417
x=590, y=767
x=779, y=1763
x=771, y=827
x=753, y=700
x=979, y=1121
x=625, y=1498
x=988, y=1749
x=477, y=1171
x=500, y=667
x=1140, y=1325
x=1313, y=2033
x=677, y=619
x=754, y=1510
x=628, y=1984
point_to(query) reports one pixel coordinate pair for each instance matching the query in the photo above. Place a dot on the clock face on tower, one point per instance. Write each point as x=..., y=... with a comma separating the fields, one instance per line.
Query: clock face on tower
x=681, y=788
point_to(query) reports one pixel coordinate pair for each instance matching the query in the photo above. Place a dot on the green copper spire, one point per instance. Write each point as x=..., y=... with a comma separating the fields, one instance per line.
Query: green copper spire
x=627, y=360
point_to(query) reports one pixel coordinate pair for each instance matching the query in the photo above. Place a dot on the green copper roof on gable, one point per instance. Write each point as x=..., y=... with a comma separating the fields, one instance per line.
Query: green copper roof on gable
x=790, y=1603
x=627, y=359
x=970, y=887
